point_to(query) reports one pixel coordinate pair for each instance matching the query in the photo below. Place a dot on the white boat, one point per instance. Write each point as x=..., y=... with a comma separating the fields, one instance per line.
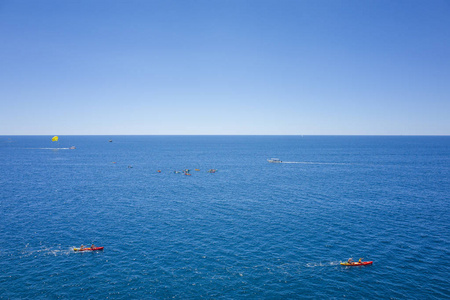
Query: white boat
x=274, y=160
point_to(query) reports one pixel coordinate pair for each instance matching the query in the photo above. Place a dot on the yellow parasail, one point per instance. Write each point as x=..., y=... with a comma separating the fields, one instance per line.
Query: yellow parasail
x=55, y=138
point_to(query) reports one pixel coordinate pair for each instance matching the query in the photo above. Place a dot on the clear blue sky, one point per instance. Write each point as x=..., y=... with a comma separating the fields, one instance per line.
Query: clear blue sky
x=224, y=67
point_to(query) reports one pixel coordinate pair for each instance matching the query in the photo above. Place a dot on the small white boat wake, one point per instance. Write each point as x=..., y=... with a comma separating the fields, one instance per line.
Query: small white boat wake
x=49, y=148
x=322, y=264
x=313, y=163
x=53, y=148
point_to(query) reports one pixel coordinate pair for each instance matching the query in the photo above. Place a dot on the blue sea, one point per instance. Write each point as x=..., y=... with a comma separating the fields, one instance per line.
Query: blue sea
x=251, y=230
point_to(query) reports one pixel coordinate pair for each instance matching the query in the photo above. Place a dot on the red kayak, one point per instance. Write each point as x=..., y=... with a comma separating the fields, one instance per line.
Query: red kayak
x=354, y=264
x=88, y=249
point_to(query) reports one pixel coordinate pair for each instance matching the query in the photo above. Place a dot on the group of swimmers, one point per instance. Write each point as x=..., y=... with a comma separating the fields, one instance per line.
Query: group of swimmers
x=187, y=171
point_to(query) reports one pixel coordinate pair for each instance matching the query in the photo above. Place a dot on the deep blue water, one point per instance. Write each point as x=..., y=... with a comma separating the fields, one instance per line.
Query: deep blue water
x=252, y=230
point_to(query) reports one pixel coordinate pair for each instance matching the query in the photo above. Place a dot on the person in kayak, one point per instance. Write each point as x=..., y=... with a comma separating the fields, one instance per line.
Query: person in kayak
x=360, y=260
x=93, y=246
x=350, y=260
x=82, y=247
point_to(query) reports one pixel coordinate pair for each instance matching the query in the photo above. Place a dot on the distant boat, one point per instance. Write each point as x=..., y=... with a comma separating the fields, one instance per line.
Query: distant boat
x=274, y=160
x=110, y=141
x=73, y=147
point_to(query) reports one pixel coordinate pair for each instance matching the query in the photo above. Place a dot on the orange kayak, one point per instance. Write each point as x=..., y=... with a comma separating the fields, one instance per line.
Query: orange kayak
x=88, y=249
x=354, y=264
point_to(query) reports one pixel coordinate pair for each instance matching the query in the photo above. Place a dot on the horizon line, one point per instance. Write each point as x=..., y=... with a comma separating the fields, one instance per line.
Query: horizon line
x=225, y=134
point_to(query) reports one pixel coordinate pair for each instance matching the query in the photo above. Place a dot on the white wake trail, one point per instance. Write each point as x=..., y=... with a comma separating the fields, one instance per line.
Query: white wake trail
x=312, y=163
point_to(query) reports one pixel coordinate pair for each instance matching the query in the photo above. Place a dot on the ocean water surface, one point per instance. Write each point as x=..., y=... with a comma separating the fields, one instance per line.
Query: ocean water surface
x=252, y=230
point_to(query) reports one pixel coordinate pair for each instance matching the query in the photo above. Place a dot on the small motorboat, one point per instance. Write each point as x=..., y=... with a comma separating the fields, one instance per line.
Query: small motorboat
x=274, y=160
